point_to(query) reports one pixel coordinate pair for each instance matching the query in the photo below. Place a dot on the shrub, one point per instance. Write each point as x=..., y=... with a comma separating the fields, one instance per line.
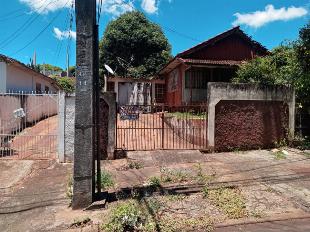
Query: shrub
x=126, y=217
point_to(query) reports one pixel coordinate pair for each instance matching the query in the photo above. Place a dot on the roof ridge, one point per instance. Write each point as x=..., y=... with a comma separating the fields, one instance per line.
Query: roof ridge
x=216, y=38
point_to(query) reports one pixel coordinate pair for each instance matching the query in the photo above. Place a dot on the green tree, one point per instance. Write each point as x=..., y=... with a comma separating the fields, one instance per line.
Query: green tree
x=66, y=83
x=287, y=64
x=134, y=46
x=303, y=48
x=48, y=67
x=72, y=71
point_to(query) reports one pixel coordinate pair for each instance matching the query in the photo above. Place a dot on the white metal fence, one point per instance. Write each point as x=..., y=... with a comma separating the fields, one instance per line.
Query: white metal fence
x=28, y=125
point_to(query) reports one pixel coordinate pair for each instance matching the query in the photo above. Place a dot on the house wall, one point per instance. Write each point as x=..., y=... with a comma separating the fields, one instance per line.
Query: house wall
x=36, y=107
x=230, y=48
x=174, y=96
x=2, y=77
x=19, y=79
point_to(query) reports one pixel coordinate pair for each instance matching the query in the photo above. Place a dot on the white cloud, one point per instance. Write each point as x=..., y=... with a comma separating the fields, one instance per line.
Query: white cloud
x=270, y=14
x=43, y=7
x=113, y=7
x=117, y=7
x=150, y=6
x=61, y=35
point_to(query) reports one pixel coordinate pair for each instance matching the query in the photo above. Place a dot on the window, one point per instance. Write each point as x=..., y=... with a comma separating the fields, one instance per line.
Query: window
x=38, y=88
x=160, y=93
x=196, y=78
x=47, y=89
x=223, y=74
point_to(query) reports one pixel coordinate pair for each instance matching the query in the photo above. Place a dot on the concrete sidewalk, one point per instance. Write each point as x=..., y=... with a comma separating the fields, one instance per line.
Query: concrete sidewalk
x=37, y=201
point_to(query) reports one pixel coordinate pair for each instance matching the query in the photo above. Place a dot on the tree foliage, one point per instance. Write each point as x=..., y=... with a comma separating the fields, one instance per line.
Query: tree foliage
x=285, y=65
x=66, y=83
x=134, y=46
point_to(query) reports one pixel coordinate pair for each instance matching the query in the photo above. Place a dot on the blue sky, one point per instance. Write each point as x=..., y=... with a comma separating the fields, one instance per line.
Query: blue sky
x=43, y=25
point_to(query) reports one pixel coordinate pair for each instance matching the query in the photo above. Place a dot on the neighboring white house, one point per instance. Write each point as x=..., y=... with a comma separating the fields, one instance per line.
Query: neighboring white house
x=16, y=76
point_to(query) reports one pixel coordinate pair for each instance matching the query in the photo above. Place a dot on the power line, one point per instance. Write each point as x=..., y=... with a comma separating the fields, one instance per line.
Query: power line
x=12, y=17
x=13, y=12
x=60, y=42
x=40, y=33
x=181, y=34
x=24, y=27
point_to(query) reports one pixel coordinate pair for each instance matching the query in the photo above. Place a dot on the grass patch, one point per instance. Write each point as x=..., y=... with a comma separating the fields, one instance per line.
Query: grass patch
x=202, y=178
x=172, y=224
x=135, y=165
x=129, y=216
x=154, y=181
x=188, y=115
x=229, y=200
x=173, y=176
x=175, y=198
x=279, y=155
x=180, y=176
x=107, y=180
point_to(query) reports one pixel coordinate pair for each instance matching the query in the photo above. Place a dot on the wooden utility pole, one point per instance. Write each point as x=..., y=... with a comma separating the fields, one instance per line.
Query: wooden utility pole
x=85, y=106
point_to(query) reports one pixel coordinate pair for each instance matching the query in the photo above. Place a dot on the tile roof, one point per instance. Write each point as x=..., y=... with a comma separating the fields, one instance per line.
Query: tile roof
x=213, y=62
x=235, y=30
x=10, y=60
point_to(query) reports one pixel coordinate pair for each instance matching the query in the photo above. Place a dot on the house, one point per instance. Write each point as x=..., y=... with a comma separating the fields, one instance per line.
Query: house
x=16, y=77
x=215, y=60
x=132, y=91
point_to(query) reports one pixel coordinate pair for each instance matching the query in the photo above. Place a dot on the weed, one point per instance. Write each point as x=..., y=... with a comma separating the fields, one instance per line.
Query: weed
x=80, y=222
x=229, y=200
x=154, y=181
x=129, y=216
x=135, y=165
x=302, y=143
x=107, y=180
x=154, y=205
x=201, y=177
x=280, y=143
x=177, y=197
x=174, y=176
x=279, y=155
x=205, y=191
x=270, y=190
x=172, y=224
x=257, y=214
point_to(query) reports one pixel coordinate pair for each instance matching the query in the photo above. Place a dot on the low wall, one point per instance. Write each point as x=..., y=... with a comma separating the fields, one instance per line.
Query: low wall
x=67, y=127
x=250, y=124
x=245, y=116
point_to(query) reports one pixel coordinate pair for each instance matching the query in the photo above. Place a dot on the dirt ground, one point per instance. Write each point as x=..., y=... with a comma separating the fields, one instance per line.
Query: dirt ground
x=275, y=193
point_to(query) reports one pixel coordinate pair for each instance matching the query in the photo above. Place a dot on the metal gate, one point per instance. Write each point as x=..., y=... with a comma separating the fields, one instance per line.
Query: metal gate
x=143, y=128
x=28, y=126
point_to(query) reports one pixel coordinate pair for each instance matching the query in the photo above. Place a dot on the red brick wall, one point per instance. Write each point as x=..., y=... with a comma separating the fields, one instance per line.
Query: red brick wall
x=249, y=124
